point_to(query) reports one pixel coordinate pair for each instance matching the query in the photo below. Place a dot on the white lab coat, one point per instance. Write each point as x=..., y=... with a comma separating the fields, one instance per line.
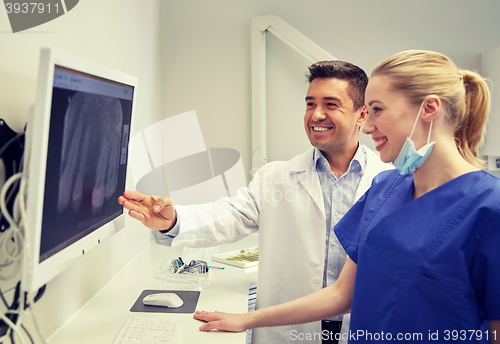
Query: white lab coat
x=285, y=203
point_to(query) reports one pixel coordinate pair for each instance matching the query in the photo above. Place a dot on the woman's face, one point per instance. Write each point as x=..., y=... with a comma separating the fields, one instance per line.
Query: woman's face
x=390, y=118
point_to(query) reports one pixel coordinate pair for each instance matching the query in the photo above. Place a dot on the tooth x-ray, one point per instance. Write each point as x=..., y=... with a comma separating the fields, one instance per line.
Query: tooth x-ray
x=86, y=163
x=90, y=152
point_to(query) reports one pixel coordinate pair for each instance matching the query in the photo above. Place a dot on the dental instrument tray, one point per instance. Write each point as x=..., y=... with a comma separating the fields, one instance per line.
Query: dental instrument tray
x=240, y=258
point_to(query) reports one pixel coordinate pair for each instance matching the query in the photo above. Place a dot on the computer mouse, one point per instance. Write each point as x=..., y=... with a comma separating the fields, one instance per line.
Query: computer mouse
x=170, y=300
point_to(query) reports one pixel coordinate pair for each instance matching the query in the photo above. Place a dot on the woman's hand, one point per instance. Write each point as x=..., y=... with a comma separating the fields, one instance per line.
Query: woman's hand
x=222, y=321
x=325, y=303
x=154, y=212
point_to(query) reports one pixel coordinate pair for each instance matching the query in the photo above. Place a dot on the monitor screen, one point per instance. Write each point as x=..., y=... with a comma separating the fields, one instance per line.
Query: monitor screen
x=78, y=140
x=87, y=157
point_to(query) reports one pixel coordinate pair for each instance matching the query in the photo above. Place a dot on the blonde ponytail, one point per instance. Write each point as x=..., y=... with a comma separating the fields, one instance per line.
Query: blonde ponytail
x=469, y=134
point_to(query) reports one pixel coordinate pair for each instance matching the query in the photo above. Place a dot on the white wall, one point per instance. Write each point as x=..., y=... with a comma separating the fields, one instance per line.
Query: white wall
x=207, y=44
x=122, y=35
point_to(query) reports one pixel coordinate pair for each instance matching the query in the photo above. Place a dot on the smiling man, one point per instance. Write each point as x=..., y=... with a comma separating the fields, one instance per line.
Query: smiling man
x=334, y=115
x=335, y=112
x=294, y=204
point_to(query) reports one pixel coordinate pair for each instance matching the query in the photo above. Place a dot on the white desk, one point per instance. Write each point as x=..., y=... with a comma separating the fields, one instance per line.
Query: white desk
x=101, y=319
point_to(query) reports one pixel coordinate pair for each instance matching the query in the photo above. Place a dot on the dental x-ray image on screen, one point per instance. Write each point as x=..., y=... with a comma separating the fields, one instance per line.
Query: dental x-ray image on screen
x=90, y=153
x=85, y=168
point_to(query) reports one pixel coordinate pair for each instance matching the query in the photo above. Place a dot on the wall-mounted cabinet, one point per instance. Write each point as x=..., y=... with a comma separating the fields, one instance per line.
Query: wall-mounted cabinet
x=490, y=69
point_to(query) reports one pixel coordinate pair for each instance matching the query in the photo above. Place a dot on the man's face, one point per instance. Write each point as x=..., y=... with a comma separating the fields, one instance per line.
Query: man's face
x=330, y=121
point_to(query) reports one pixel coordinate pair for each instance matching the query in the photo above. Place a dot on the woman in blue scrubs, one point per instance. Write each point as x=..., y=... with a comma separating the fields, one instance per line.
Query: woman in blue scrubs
x=424, y=241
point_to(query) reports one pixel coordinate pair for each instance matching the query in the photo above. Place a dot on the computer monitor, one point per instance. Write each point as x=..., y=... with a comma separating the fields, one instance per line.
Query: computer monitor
x=77, y=139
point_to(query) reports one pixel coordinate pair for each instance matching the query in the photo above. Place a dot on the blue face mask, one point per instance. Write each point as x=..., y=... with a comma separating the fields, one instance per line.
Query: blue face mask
x=409, y=159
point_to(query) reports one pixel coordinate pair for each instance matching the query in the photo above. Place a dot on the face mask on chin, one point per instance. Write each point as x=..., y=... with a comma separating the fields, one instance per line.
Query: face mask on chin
x=409, y=159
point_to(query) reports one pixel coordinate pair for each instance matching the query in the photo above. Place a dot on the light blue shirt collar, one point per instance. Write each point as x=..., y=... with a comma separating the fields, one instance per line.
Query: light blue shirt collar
x=359, y=158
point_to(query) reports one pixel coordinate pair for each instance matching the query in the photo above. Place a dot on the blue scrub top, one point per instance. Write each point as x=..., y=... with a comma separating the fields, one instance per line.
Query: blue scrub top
x=428, y=270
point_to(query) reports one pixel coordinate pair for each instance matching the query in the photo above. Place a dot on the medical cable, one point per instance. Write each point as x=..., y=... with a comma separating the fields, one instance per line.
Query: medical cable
x=12, y=319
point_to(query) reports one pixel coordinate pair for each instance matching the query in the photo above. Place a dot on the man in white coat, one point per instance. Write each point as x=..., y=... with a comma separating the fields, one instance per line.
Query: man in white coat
x=293, y=204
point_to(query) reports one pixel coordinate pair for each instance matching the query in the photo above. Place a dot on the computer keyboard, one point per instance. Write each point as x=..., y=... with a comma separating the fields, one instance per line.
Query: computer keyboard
x=140, y=330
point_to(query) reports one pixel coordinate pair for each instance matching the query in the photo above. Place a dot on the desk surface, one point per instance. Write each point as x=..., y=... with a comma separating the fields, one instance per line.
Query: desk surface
x=102, y=318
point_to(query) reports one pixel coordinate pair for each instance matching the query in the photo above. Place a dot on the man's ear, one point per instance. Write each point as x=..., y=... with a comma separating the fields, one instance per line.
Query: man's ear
x=432, y=108
x=362, y=116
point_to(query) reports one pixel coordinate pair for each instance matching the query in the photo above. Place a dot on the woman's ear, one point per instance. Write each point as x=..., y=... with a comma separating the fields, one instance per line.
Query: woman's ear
x=431, y=109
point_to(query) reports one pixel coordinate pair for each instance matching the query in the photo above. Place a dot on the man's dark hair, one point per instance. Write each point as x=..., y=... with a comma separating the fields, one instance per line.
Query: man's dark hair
x=355, y=76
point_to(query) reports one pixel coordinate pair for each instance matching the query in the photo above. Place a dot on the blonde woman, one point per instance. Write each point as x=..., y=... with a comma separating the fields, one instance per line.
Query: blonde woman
x=424, y=241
